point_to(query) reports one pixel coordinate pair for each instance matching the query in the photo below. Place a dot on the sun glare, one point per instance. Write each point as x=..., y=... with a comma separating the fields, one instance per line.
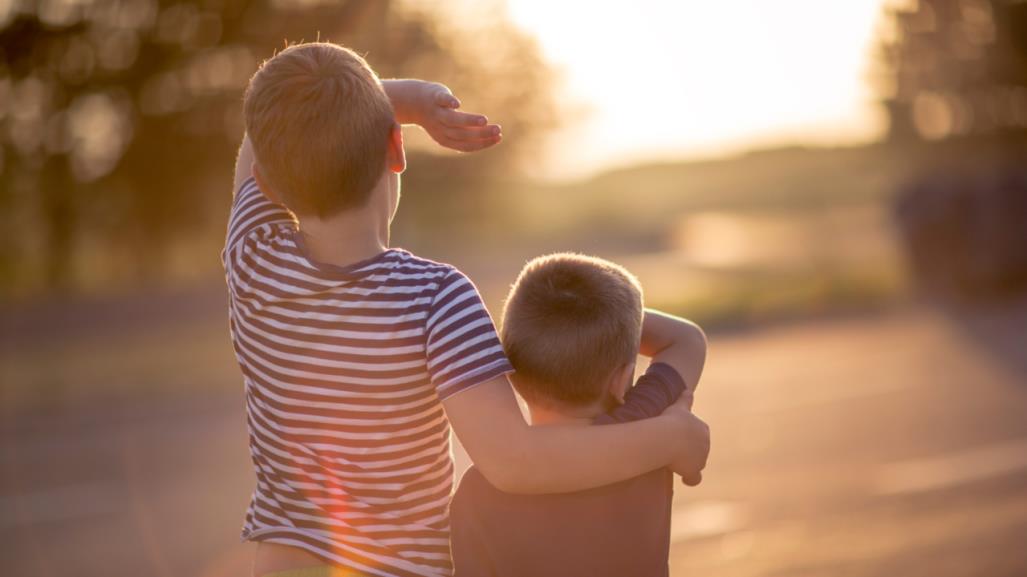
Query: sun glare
x=674, y=79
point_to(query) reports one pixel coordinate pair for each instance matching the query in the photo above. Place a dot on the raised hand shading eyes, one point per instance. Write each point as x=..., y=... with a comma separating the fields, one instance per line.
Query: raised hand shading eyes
x=453, y=128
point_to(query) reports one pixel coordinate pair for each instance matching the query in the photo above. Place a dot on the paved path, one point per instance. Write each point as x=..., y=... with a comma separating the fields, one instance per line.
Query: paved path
x=887, y=445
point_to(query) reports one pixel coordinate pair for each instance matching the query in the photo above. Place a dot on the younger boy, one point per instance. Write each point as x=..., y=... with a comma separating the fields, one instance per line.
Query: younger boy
x=356, y=357
x=572, y=328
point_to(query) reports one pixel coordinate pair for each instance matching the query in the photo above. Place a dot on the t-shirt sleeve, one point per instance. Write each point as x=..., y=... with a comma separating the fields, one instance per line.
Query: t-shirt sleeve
x=654, y=391
x=463, y=348
x=251, y=209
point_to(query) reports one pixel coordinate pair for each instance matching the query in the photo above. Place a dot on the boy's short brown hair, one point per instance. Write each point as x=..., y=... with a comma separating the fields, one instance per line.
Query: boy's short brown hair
x=569, y=322
x=320, y=122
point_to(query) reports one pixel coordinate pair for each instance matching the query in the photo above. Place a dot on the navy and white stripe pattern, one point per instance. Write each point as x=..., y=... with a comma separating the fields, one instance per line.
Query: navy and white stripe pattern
x=345, y=370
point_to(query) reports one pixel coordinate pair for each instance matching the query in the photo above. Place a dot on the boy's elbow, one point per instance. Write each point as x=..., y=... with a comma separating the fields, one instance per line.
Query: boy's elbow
x=690, y=337
x=698, y=337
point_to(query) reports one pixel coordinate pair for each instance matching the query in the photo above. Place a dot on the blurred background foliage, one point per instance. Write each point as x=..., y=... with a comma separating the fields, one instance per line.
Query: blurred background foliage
x=120, y=120
x=872, y=436
x=954, y=67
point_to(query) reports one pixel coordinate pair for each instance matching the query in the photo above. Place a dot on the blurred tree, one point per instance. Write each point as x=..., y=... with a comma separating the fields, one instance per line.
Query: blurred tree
x=119, y=118
x=954, y=67
x=957, y=70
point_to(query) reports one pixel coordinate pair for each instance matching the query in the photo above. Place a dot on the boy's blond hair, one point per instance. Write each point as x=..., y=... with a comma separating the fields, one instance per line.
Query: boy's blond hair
x=570, y=321
x=320, y=123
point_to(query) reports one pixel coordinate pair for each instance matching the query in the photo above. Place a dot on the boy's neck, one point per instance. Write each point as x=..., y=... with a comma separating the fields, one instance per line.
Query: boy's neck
x=547, y=415
x=347, y=237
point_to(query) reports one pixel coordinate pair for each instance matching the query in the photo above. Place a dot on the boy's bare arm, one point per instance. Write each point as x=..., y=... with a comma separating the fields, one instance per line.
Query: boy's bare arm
x=428, y=104
x=517, y=458
x=243, y=163
x=675, y=341
x=681, y=344
x=433, y=107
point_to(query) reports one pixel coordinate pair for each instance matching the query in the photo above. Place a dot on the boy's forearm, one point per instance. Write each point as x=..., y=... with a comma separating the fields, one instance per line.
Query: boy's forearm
x=557, y=459
x=243, y=163
x=661, y=331
x=517, y=458
x=675, y=341
x=403, y=94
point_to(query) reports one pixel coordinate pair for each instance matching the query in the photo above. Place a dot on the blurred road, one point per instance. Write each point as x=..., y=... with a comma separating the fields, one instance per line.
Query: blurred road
x=892, y=444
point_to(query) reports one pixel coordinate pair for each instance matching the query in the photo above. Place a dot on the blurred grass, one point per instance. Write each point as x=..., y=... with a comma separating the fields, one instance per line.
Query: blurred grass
x=792, y=180
x=178, y=360
x=814, y=227
x=761, y=297
x=97, y=350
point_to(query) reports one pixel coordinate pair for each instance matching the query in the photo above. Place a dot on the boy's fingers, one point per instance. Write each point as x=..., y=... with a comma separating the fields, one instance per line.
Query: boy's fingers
x=482, y=144
x=472, y=145
x=445, y=99
x=473, y=133
x=461, y=119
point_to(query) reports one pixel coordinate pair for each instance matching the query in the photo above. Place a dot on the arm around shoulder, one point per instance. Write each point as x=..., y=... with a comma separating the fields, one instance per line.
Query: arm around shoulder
x=518, y=458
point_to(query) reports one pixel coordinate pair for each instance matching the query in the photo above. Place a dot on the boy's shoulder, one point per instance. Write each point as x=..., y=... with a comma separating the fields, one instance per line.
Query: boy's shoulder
x=402, y=260
x=451, y=284
x=403, y=257
x=407, y=267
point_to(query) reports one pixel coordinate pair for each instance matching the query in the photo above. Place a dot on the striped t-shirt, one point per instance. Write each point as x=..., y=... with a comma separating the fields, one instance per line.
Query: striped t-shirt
x=345, y=370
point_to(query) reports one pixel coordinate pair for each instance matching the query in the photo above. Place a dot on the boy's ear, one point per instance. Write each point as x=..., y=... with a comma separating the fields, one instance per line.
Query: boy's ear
x=262, y=184
x=396, y=155
x=620, y=382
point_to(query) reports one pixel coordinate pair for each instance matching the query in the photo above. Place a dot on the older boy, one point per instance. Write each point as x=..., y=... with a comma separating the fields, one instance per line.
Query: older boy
x=356, y=357
x=572, y=328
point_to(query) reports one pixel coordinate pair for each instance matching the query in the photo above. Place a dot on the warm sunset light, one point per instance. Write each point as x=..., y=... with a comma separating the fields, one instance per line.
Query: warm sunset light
x=508, y=288
x=675, y=79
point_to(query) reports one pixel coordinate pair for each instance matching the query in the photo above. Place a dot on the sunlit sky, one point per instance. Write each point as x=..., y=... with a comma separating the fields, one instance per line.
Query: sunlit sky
x=666, y=79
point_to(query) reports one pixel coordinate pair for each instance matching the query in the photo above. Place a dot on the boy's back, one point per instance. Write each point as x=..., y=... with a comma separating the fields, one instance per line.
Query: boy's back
x=616, y=530
x=344, y=369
